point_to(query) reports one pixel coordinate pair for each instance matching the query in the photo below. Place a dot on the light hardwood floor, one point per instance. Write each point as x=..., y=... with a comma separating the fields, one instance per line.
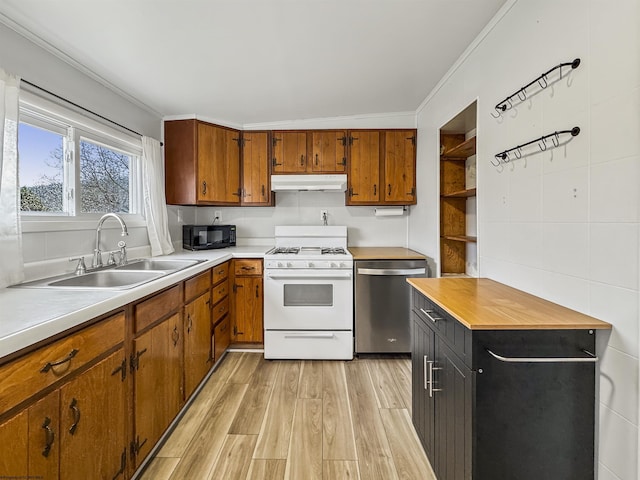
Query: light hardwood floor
x=297, y=420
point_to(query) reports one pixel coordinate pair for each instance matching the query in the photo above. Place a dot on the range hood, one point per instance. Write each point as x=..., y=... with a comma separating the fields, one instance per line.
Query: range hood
x=317, y=183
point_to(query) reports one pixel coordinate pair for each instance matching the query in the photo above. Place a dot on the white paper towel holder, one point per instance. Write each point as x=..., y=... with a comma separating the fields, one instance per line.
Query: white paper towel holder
x=389, y=211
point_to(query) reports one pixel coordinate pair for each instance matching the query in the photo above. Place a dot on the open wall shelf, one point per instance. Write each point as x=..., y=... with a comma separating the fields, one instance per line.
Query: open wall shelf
x=460, y=151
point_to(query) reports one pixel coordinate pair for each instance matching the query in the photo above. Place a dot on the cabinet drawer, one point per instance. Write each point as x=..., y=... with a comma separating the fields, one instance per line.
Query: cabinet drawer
x=220, y=310
x=27, y=375
x=456, y=335
x=197, y=285
x=220, y=272
x=157, y=307
x=221, y=338
x=220, y=291
x=247, y=266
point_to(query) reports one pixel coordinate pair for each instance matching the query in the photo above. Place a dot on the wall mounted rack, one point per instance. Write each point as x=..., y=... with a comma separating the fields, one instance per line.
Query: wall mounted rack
x=504, y=157
x=542, y=81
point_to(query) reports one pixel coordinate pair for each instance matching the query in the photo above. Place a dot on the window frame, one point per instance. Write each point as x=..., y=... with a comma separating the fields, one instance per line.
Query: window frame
x=42, y=113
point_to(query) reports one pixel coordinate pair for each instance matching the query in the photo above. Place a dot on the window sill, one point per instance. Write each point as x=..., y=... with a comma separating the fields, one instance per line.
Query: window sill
x=39, y=224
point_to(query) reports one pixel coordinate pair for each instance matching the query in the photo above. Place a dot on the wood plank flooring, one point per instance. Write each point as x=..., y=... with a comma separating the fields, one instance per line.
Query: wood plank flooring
x=297, y=420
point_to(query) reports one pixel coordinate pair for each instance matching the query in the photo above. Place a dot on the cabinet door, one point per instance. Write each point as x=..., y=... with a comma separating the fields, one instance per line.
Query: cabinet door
x=197, y=342
x=453, y=384
x=92, y=422
x=218, y=165
x=30, y=441
x=422, y=353
x=158, y=376
x=247, y=321
x=329, y=151
x=289, y=152
x=364, y=168
x=400, y=166
x=256, y=188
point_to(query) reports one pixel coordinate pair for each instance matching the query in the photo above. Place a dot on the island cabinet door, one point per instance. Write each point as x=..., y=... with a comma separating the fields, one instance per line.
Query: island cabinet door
x=452, y=387
x=92, y=422
x=423, y=356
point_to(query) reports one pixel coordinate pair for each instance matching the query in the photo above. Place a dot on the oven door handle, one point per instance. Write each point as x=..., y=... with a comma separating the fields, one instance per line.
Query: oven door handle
x=310, y=335
x=392, y=271
x=311, y=276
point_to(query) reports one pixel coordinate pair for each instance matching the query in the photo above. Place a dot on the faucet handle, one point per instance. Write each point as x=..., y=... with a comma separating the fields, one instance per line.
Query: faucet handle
x=81, y=268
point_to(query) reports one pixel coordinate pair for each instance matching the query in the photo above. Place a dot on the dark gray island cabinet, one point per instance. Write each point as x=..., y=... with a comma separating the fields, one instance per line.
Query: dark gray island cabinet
x=503, y=382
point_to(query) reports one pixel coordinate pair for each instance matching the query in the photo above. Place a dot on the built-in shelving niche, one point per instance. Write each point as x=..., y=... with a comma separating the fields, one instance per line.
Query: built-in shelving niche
x=458, y=223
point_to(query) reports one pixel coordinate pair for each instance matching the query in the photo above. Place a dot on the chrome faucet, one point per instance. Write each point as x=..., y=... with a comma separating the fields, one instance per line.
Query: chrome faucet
x=97, y=253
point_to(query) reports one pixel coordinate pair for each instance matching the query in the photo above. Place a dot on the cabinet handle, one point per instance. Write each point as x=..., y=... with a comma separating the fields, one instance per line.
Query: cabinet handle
x=433, y=319
x=590, y=359
x=344, y=161
x=238, y=193
x=190, y=322
x=76, y=416
x=175, y=336
x=49, y=437
x=424, y=371
x=274, y=161
x=204, y=187
x=412, y=192
x=263, y=191
x=302, y=160
x=316, y=159
x=430, y=381
x=257, y=291
x=389, y=189
x=375, y=189
x=49, y=365
x=123, y=464
x=245, y=267
x=351, y=194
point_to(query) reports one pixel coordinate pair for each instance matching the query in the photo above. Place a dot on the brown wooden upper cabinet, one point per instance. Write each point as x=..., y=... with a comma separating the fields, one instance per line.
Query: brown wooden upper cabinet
x=328, y=151
x=256, y=181
x=382, y=167
x=202, y=163
x=289, y=152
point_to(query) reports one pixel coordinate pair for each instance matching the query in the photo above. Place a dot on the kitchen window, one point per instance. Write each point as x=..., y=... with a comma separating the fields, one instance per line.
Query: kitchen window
x=73, y=168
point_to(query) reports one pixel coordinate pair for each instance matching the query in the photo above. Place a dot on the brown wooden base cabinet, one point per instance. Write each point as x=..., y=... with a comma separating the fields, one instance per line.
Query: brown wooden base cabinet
x=482, y=418
x=247, y=301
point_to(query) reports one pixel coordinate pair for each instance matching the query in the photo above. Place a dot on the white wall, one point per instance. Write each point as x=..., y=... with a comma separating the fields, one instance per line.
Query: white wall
x=562, y=224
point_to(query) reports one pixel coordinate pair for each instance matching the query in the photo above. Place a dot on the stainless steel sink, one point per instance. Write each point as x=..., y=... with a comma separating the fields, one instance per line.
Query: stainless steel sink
x=115, y=278
x=158, y=265
x=108, y=279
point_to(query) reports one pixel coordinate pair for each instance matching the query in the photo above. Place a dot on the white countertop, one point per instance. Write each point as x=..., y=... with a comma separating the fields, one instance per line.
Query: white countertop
x=30, y=315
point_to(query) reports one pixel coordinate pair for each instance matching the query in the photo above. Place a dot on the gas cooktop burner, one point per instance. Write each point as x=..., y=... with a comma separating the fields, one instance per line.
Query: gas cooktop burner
x=333, y=251
x=283, y=250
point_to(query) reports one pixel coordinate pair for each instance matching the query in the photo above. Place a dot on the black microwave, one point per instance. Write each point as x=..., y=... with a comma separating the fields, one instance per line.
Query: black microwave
x=205, y=237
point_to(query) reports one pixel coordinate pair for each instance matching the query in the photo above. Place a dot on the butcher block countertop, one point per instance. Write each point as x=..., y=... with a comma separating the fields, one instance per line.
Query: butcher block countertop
x=384, y=253
x=484, y=304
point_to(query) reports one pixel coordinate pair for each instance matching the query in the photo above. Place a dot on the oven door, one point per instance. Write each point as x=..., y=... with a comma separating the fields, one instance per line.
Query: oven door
x=308, y=300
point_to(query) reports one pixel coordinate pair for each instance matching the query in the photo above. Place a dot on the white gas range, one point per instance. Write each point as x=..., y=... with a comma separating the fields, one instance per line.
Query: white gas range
x=308, y=294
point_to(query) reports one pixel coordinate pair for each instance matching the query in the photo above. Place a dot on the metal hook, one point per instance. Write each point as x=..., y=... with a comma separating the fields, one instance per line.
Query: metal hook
x=496, y=116
x=542, y=143
x=517, y=152
x=522, y=94
x=555, y=139
x=541, y=79
x=496, y=164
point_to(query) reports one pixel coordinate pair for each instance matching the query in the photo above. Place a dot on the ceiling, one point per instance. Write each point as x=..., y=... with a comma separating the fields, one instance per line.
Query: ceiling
x=259, y=61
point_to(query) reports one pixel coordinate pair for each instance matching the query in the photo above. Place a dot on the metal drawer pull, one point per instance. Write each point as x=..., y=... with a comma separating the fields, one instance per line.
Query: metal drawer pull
x=590, y=359
x=310, y=335
x=433, y=319
x=49, y=365
x=391, y=271
x=76, y=416
x=50, y=437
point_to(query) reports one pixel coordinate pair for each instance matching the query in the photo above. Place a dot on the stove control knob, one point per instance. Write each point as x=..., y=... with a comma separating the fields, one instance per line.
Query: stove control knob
x=334, y=265
x=310, y=264
x=289, y=264
x=343, y=265
x=280, y=265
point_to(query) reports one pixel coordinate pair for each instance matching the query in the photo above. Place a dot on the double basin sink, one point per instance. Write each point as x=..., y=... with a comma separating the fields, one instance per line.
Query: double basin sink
x=116, y=278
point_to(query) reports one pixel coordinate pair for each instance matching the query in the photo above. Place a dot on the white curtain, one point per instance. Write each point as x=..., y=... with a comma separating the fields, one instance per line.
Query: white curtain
x=155, y=208
x=11, y=263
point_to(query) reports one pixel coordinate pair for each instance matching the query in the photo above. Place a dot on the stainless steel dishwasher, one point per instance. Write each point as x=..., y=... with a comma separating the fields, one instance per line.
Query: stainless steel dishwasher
x=382, y=304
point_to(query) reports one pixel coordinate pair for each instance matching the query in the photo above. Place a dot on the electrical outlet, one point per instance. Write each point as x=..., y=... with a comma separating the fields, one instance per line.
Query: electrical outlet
x=324, y=215
x=217, y=216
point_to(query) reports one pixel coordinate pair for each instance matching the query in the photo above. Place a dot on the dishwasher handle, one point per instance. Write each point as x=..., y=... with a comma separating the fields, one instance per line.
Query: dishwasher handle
x=392, y=271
